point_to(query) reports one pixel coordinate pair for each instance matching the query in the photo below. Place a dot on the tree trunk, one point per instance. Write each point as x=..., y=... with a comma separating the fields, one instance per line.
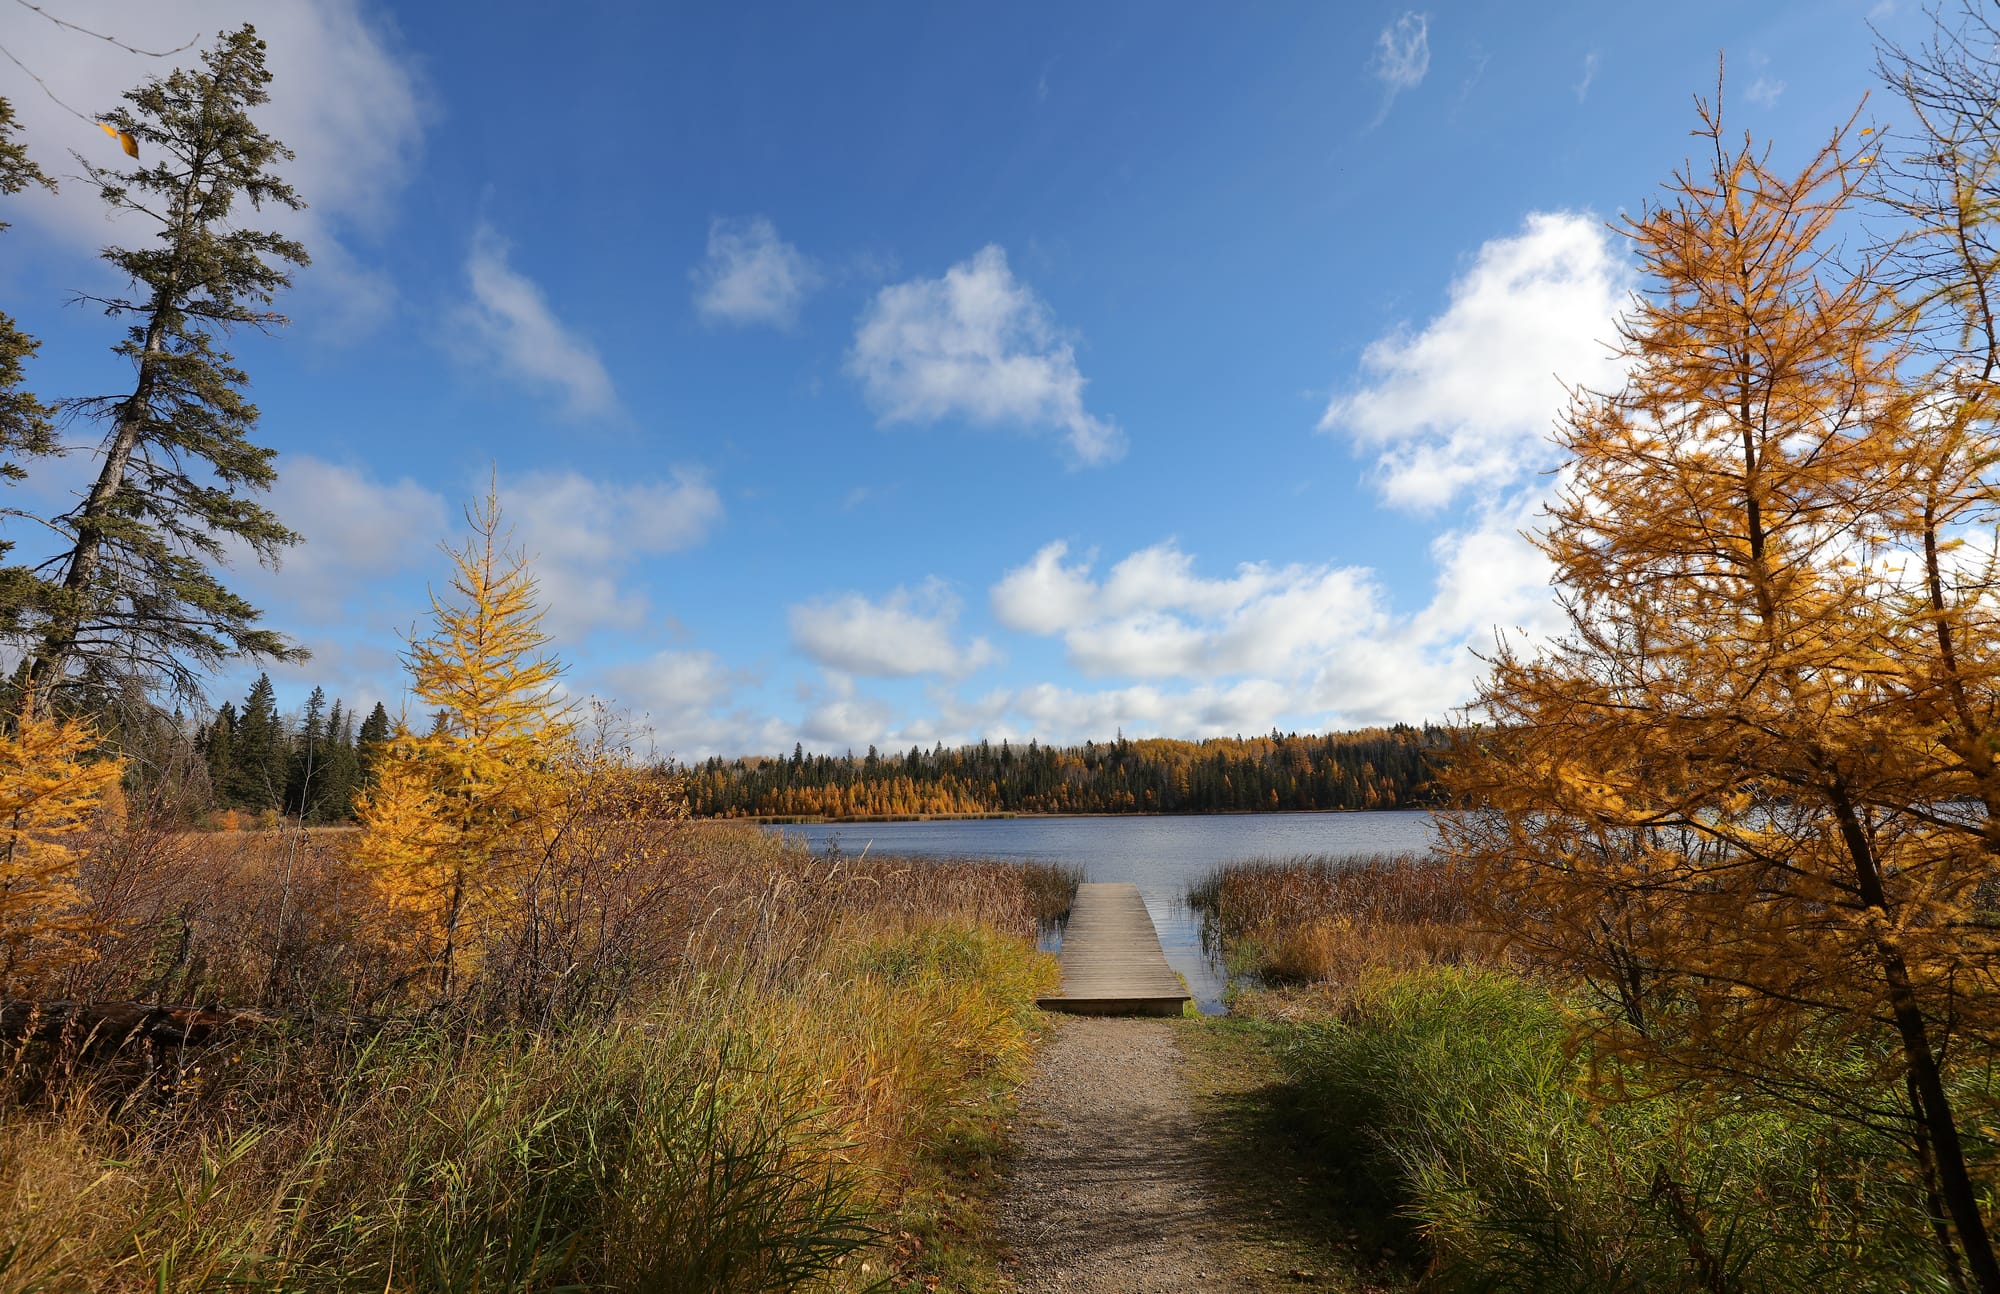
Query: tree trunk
x=60, y=636
x=1961, y=1197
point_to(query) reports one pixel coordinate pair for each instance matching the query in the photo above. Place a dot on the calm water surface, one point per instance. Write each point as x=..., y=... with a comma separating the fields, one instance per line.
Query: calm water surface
x=1162, y=855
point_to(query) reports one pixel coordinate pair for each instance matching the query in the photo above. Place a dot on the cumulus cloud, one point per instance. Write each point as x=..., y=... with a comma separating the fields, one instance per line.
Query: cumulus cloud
x=1465, y=404
x=980, y=345
x=507, y=325
x=1044, y=596
x=907, y=633
x=751, y=276
x=1309, y=639
x=345, y=97
x=584, y=536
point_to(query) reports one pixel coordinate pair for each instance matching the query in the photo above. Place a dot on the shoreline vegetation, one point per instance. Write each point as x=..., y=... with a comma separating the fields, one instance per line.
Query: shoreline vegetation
x=1470, y=1133
x=778, y=1069
x=1370, y=768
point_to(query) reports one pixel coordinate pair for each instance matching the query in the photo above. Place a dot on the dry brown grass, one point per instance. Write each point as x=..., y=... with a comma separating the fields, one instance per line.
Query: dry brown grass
x=1330, y=921
x=664, y=1001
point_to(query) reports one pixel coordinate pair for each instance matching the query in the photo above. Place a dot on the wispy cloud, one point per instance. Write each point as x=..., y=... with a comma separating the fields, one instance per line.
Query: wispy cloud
x=977, y=344
x=508, y=325
x=1764, y=91
x=752, y=276
x=584, y=535
x=1402, y=57
x=1582, y=87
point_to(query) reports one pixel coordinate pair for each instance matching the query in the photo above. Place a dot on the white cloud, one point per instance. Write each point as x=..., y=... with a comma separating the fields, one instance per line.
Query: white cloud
x=584, y=535
x=507, y=325
x=1402, y=57
x=687, y=701
x=905, y=634
x=1466, y=404
x=1764, y=92
x=751, y=276
x=358, y=530
x=1153, y=617
x=977, y=344
x=1582, y=87
x=345, y=98
x=1044, y=596
x=1319, y=640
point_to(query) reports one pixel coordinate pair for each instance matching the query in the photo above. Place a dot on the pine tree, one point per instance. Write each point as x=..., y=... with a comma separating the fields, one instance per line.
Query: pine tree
x=133, y=590
x=450, y=815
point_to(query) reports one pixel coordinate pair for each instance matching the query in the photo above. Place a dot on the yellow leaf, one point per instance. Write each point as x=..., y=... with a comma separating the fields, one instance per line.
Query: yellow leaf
x=125, y=141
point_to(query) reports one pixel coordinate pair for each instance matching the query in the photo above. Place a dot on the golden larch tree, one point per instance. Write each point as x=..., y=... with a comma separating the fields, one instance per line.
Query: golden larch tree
x=1749, y=793
x=451, y=816
x=50, y=790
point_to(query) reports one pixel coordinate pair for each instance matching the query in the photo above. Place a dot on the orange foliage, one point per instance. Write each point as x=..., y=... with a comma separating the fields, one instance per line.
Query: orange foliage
x=49, y=792
x=1751, y=794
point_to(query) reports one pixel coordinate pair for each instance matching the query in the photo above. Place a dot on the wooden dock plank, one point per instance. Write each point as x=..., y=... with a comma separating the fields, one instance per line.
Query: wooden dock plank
x=1112, y=963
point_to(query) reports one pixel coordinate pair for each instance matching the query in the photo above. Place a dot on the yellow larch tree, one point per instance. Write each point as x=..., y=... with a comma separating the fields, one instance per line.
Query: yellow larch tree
x=450, y=817
x=1750, y=793
x=50, y=790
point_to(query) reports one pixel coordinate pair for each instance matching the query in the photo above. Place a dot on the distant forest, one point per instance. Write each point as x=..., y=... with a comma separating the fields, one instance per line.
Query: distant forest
x=260, y=761
x=1375, y=768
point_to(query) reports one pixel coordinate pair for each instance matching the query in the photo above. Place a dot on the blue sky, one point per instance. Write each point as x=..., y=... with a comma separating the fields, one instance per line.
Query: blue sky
x=899, y=373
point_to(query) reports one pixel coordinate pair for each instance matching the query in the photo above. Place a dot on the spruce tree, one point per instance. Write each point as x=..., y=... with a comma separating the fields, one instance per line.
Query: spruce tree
x=218, y=748
x=340, y=776
x=25, y=429
x=374, y=733
x=305, y=781
x=134, y=590
x=258, y=773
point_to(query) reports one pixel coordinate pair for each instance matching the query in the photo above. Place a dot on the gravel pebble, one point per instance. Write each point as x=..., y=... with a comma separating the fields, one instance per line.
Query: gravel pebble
x=1108, y=1191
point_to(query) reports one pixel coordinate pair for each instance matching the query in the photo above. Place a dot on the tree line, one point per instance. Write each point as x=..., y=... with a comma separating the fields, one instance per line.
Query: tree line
x=310, y=768
x=1373, y=768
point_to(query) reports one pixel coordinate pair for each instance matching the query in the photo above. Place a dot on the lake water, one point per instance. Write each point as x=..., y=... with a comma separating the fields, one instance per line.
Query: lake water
x=1162, y=855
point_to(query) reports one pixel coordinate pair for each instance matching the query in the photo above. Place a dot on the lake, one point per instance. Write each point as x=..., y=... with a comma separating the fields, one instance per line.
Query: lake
x=1162, y=855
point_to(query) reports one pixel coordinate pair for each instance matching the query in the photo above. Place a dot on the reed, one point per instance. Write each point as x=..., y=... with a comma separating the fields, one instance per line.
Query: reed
x=1330, y=919
x=778, y=1073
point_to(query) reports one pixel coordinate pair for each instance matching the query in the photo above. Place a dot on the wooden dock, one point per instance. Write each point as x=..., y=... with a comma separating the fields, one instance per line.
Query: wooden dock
x=1111, y=958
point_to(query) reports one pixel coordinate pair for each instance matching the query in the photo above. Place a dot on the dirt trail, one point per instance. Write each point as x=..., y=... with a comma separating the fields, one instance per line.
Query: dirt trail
x=1110, y=1191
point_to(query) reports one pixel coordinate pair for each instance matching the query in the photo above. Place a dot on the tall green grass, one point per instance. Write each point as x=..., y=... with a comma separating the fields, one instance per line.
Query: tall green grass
x=1460, y=1092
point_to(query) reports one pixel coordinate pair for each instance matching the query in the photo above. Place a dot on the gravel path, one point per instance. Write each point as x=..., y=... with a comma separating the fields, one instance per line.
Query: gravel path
x=1108, y=1192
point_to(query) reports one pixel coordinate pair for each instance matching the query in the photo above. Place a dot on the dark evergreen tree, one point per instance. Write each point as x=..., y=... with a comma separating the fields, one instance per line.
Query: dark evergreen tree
x=25, y=429
x=304, y=783
x=262, y=758
x=133, y=591
x=374, y=732
x=218, y=748
x=340, y=777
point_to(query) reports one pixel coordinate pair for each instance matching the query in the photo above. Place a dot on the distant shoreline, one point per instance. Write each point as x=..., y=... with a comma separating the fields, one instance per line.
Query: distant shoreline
x=808, y=820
